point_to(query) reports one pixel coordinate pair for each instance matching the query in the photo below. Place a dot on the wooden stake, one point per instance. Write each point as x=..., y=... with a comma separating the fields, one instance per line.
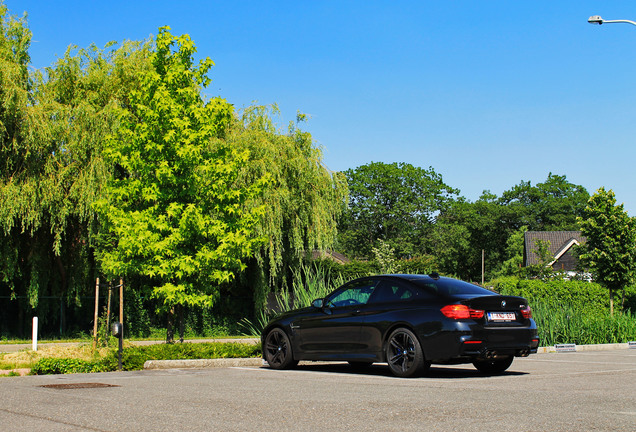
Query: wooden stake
x=121, y=303
x=110, y=291
x=96, y=312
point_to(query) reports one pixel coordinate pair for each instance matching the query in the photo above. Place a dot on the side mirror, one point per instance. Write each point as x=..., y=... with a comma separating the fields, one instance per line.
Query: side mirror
x=318, y=303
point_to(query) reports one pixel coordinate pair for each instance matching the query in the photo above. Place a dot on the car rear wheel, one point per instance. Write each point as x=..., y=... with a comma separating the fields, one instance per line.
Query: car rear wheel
x=278, y=351
x=493, y=366
x=404, y=354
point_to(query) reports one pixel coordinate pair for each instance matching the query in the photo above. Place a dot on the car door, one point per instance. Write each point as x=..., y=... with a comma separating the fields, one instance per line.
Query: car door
x=334, y=331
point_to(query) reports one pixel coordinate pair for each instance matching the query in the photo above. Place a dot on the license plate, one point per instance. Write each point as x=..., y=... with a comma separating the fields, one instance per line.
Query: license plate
x=501, y=316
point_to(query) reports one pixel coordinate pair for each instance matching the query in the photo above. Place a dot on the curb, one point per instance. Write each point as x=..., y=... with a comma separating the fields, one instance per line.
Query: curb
x=202, y=363
x=578, y=348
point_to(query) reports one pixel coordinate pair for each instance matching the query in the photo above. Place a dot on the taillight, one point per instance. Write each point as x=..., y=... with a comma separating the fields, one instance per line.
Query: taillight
x=459, y=311
x=526, y=312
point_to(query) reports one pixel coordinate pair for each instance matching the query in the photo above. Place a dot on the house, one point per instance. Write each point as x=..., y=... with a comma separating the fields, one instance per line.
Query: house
x=560, y=246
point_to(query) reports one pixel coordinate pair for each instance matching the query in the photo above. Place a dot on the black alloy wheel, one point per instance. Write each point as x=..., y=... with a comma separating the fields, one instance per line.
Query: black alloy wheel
x=278, y=351
x=404, y=354
x=493, y=366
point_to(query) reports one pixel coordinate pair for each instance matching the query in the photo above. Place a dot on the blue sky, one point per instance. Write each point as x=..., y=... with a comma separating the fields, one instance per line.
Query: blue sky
x=488, y=93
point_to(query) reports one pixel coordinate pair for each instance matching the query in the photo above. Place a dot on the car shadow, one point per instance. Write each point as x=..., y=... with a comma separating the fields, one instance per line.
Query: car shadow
x=379, y=369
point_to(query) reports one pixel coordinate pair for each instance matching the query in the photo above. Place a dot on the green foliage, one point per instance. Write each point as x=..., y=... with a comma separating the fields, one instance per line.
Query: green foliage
x=463, y=229
x=396, y=203
x=584, y=295
x=51, y=365
x=549, y=206
x=512, y=266
x=133, y=358
x=572, y=311
x=610, y=249
x=564, y=322
x=425, y=264
x=384, y=254
x=175, y=212
x=541, y=269
x=309, y=283
x=350, y=270
x=302, y=201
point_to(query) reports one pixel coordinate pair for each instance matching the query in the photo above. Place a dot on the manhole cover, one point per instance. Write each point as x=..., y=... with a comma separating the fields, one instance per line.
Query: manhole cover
x=78, y=385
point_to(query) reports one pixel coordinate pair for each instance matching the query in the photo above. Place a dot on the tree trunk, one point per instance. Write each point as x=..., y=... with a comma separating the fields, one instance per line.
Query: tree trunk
x=170, y=326
x=181, y=324
x=611, y=301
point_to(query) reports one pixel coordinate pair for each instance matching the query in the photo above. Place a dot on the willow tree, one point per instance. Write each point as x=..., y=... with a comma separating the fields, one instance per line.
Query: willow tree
x=19, y=155
x=54, y=125
x=302, y=200
x=175, y=212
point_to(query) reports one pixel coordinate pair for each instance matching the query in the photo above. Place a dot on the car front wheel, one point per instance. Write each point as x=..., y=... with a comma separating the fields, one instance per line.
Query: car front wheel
x=404, y=354
x=278, y=351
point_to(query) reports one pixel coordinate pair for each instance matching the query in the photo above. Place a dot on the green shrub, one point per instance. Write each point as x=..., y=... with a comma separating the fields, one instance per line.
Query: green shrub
x=50, y=365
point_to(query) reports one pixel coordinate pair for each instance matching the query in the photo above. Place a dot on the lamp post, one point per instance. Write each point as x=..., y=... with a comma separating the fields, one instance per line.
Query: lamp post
x=595, y=19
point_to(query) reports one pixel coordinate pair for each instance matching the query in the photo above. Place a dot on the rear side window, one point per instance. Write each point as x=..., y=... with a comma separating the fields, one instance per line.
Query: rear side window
x=389, y=291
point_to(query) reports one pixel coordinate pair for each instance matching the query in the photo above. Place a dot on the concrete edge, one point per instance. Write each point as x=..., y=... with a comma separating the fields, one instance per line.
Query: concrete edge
x=596, y=347
x=202, y=363
x=242, y=362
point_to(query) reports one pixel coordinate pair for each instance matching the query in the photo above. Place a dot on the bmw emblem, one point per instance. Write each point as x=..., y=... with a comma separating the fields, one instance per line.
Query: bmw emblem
x=503, y=303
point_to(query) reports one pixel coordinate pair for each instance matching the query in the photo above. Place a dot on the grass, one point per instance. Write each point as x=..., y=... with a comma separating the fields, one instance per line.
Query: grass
x=26, y=359
x=569, y=323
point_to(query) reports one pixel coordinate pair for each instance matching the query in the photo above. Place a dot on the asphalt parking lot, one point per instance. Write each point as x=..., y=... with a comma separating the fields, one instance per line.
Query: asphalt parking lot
x=545, y=392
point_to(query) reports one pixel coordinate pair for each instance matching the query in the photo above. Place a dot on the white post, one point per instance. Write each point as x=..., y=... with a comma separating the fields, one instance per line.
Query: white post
x=35, y=334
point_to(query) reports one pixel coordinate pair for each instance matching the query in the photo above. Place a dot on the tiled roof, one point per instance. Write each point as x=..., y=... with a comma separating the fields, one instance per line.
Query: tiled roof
x=559, y=240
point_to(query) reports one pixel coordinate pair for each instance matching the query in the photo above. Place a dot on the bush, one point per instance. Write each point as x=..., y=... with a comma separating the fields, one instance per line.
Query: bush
x=49, y=365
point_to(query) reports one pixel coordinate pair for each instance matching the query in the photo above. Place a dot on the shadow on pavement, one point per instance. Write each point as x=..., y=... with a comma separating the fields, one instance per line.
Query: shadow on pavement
x=379, y=369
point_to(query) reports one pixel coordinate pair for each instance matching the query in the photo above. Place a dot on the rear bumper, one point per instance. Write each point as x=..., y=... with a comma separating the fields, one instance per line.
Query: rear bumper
x=467, y=344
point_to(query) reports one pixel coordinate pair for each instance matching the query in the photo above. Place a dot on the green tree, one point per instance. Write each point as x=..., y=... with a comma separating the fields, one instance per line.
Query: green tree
x=394, y=202
x=490, y=222
x=610, y=250
x=552, y=205
x=301, y=203
x=175, y=211
x=512, y=266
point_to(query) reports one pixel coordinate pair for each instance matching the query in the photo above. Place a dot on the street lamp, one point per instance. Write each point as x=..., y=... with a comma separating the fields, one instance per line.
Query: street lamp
x=595, y=19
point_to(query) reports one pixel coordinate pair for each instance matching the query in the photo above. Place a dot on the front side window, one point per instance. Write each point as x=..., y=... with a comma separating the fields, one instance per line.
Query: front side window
x=357, y=293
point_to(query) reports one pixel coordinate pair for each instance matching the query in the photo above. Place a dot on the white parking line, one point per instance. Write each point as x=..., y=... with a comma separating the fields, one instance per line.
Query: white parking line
x=578, y=361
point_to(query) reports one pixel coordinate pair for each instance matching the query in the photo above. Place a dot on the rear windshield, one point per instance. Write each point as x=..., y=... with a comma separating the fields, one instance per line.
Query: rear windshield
x=453, y=287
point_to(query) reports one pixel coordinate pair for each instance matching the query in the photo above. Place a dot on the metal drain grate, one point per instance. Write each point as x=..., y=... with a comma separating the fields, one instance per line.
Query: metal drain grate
x=78, y=385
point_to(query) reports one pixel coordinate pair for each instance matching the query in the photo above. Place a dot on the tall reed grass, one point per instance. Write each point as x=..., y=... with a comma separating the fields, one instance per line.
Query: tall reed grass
x=308, y=284
x=569, y=323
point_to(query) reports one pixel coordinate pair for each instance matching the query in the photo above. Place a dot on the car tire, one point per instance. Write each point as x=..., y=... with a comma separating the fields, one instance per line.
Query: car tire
x=493, y=366
x=277, y=351
x=404, y=354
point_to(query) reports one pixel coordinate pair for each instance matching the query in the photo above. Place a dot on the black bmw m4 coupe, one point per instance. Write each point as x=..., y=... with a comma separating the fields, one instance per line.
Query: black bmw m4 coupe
x=407, y=321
